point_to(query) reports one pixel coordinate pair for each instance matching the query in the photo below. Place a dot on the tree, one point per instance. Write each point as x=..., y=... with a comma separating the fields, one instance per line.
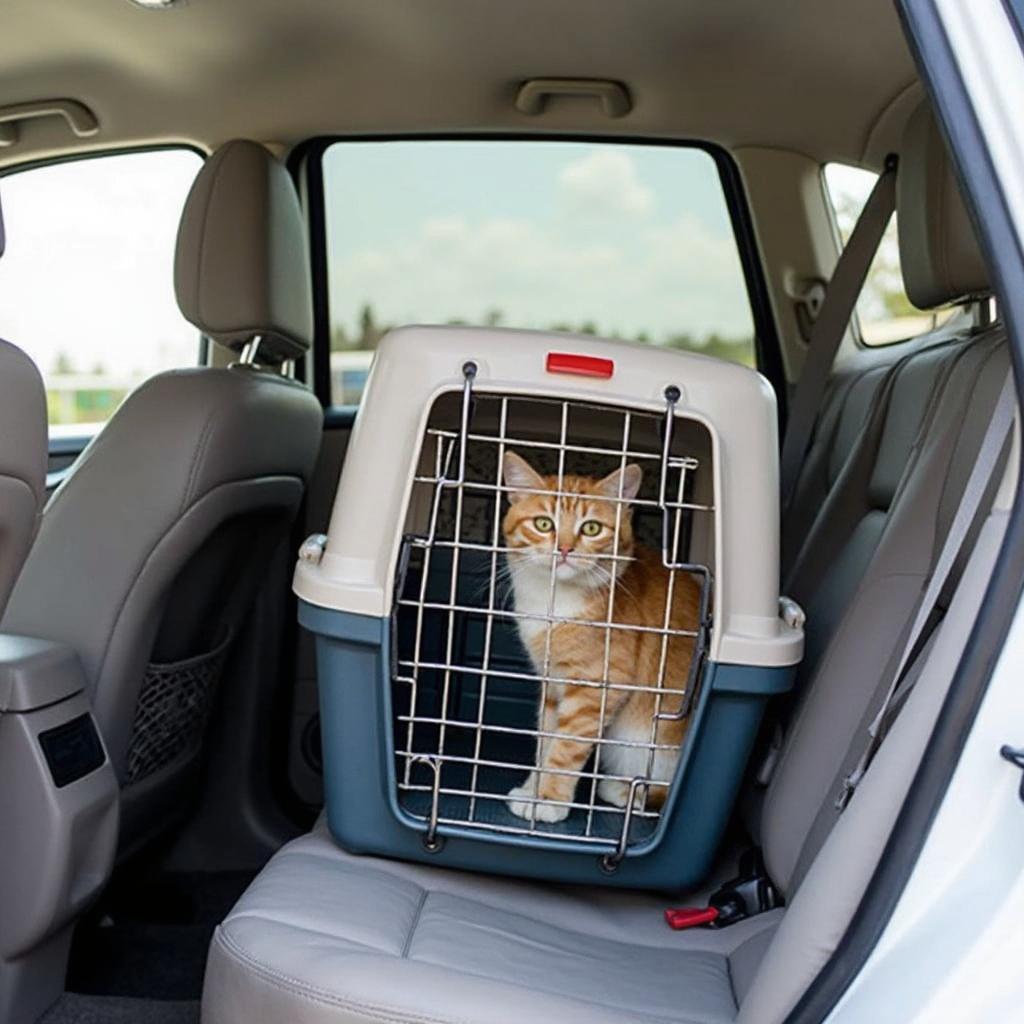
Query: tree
x=339, y=339
x=63, y=364
x=369, y=332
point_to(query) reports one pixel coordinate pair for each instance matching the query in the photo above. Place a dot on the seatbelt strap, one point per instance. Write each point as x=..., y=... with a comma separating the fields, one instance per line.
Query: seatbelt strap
x=830, y=327
x=977, y=484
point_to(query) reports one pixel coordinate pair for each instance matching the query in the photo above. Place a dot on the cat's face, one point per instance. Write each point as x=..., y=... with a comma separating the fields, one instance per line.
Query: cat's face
x=577, y=532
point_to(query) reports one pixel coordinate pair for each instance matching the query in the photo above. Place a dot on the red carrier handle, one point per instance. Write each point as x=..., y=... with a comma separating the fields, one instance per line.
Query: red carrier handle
x=580, y=365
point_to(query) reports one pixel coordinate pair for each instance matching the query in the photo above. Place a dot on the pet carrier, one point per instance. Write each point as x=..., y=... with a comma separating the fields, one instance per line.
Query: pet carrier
x=546, y=609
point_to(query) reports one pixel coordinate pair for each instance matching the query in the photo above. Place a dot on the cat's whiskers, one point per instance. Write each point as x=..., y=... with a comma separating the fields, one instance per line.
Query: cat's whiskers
x=505, y=575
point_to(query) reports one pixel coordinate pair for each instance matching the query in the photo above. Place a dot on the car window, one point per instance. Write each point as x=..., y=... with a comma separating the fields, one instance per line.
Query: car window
x=884, y=313
x=86, y=284
x=624, y=241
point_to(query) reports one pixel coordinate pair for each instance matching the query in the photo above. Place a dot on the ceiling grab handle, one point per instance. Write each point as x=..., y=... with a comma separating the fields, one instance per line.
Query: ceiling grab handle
x=534, y=94
x=80, y=119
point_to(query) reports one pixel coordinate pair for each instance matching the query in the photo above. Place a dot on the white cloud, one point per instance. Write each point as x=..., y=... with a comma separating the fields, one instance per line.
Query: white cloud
x=604, y=183
x=662, y=279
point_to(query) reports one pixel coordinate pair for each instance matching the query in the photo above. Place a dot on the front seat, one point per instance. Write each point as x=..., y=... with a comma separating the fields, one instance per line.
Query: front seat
x=22, y=455
x=149, y=554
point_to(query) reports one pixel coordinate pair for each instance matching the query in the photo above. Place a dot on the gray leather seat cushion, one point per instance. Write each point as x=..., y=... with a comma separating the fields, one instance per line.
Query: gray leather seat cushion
x=326, y=936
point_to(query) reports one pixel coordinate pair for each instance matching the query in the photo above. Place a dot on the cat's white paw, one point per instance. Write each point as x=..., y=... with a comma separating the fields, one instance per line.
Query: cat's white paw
x=616, y=793
x=613, y=791
x=524, y=808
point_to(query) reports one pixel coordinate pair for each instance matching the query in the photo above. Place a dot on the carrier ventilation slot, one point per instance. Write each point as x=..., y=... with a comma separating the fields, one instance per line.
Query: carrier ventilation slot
x=465, y=695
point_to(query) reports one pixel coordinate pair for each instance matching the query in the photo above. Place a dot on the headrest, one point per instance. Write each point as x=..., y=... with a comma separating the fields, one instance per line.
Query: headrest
x=241, y=267
x=939, y=253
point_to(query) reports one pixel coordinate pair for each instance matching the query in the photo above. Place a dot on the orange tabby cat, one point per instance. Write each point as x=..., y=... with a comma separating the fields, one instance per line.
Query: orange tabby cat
x=582, y=530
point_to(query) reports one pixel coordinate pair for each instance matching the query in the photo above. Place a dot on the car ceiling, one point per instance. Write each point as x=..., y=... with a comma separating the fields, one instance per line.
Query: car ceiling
x=814, y=76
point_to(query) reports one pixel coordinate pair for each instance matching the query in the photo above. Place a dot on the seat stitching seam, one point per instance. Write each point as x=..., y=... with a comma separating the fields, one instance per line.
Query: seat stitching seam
x=197, y=456
x=475, y=899
x=383, y=1013
x=415, y=923
x=732, y=980
x=311, y=991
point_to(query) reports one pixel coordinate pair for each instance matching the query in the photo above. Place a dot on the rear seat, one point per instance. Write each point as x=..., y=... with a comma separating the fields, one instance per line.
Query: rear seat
x=851, y=677
x=875, y=422
x=325, y=936
x=839, y=543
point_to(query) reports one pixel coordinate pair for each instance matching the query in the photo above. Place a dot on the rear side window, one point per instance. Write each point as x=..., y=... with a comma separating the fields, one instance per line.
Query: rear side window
x=624, y=241
x=884, y=313
x=86, y=283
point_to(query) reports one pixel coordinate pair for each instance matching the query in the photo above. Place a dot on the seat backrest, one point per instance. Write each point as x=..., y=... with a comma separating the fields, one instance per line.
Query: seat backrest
x=22, y=455
x=839, y=545
x=895, y=507
x=150, y=552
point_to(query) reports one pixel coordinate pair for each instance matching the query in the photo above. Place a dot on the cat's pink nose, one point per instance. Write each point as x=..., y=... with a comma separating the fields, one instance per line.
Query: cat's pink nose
x=564, y=551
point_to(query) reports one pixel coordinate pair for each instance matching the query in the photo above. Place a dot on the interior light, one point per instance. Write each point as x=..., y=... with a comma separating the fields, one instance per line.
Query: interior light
x=156, y=5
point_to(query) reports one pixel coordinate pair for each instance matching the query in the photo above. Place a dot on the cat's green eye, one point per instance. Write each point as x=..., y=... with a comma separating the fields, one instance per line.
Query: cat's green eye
x=591, y=528
x=544, y=523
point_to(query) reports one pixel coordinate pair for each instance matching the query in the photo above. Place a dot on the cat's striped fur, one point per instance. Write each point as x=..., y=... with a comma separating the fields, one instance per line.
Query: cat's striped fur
x=535, y=526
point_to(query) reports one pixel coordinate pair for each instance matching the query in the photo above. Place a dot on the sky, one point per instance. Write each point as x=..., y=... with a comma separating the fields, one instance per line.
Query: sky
x=631, y=238
x=89, y=262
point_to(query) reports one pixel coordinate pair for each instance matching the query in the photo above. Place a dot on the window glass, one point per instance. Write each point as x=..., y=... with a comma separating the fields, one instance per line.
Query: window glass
x=86, y=283
x=622, y=241
x=884, y=313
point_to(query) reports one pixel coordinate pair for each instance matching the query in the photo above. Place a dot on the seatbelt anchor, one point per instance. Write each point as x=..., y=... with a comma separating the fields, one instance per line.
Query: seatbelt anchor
x=850, y=784
x=681, y=918
x=751, y=892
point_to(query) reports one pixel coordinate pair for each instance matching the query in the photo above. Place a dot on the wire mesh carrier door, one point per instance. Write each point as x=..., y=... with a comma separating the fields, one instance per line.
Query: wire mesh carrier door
x=477, y=672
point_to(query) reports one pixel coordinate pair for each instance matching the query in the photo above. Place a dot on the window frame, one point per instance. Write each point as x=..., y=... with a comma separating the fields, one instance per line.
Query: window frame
x=306, y=166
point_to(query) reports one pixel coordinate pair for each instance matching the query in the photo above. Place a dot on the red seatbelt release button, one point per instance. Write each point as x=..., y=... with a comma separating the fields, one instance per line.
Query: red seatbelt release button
x=679, y=918
x=582, y=366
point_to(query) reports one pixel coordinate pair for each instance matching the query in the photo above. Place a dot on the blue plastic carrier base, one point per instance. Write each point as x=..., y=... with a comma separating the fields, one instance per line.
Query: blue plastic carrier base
x=366, y=816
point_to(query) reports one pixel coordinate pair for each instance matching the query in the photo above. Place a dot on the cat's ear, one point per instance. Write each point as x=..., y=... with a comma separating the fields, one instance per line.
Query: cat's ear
x=632, y=475
x=519, y=475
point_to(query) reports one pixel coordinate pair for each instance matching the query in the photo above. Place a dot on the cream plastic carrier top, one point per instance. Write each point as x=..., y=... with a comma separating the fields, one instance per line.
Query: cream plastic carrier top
x=725, y=413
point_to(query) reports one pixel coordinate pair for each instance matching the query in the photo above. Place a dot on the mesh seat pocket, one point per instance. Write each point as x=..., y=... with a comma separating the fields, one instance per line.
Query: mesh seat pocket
x=172, y=710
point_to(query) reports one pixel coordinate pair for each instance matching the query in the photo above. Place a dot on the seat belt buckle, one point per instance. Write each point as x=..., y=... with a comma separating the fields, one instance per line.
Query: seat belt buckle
x=681, y=918
x=749, y=893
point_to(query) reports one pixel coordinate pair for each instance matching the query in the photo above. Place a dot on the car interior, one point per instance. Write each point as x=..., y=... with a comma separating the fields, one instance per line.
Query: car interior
x=363, y=218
